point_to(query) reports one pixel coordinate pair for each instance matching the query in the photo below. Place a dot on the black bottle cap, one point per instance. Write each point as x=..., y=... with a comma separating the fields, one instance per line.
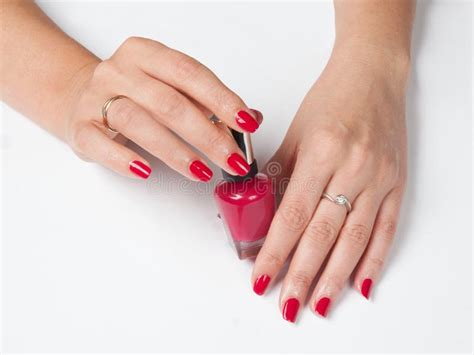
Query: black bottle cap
x=245, y=144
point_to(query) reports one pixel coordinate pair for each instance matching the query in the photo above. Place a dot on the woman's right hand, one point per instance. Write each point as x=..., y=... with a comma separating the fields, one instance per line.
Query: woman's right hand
x=167, y=94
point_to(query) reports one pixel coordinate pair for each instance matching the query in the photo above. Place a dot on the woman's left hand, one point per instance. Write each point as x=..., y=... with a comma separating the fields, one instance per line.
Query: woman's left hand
x=348, y=138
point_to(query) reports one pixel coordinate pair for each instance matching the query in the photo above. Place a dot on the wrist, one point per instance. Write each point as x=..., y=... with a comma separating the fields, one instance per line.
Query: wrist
x=72, y=93
x=387, y=60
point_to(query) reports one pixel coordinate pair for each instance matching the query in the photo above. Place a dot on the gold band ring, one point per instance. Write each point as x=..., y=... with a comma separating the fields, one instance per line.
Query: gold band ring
x=106, y=107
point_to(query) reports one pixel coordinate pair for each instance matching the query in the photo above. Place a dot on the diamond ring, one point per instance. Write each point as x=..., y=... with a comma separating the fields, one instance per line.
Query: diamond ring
x=339, y=200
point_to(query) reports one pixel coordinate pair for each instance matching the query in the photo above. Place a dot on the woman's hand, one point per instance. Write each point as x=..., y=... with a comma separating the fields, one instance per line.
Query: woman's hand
x=167, y=94
x=349, y=138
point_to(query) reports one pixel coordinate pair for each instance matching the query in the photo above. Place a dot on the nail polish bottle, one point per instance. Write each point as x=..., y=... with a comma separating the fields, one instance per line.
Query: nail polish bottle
x=246, y=204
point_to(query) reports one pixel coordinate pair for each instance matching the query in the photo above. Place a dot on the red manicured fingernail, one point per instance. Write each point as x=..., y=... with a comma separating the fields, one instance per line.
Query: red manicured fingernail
x=322, y=306
x=139, y=169
x=259, y=116
x=290, y=309
x=238, y=164
x=246, y=121
x=365, y=288
x=261, y=284
x=200, y=170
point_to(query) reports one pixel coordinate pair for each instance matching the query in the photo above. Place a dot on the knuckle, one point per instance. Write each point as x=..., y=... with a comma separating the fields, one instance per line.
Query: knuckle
x=388, y=229
x=171, y=105
x=294, y=216
x=134, y=47
x=300, y=279
x=362, y=160
x=363, y=154
x=303, y=185
x=330, y=131
x=321, y=234
x=170, y=155
x=357, y=234
x=104, y=71
x=376, y=262
x=389, y=170
x=132, y=42
x=217, y=139
x=122, y=114
x=363, y=149
x=331, y=147
x=334, y=282
x=227, y=100
x=187, y=68
x=387, y=163
x=271, y=258
x=335, y=135
x=325, y=157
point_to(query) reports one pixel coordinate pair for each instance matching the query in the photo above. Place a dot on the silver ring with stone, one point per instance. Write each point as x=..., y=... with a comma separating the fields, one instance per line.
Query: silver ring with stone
x=339, y=200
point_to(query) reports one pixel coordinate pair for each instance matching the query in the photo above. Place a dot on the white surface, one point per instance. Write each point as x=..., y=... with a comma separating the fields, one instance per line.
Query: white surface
x=95, y=262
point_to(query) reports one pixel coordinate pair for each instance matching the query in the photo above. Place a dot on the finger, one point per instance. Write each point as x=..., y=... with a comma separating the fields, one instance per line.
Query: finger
x=136, y=124
x=316, y=242
x=208, y=114
x=297, y=207
x=258, y=115
x=215, y=120
x=176, y=112
x=197, y=81
x=350, y=245
x=90, y=141
x=370, y=267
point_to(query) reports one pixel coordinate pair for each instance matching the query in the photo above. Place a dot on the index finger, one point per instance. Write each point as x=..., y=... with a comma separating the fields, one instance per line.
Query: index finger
x=198, y=82
x=295, y=211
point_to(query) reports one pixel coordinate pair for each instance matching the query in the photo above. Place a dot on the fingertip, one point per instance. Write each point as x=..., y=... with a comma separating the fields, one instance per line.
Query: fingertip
x=140, y=169
x=290, y=309
x=200, y=171
x=238, y=164
x=246, y=121
x=321, y=307
x=261, y=283
x=366, y=287
x=257, y=115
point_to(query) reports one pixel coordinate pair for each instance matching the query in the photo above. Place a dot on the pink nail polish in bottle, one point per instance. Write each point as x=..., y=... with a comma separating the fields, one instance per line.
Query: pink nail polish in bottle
x=246, y=204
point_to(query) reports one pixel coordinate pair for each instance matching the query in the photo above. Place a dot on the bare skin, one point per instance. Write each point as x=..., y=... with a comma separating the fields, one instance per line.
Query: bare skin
x=348, y=137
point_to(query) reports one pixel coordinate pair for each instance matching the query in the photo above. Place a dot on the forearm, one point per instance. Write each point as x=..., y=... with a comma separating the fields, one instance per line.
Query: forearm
x=375, y=33
x=41, y=67
x=382, y=23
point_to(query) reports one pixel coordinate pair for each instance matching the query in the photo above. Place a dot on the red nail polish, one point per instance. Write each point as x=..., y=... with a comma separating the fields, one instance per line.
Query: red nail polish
x=246, y=204
x=200, y=170
x=290, y=309
x=322, y=306
x=238, y=164
x=139, y=169
x=365, y=288
x=246, y=121
x=261, y=284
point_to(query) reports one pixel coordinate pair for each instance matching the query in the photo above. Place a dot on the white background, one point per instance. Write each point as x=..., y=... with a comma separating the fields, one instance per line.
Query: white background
x=95, y=262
